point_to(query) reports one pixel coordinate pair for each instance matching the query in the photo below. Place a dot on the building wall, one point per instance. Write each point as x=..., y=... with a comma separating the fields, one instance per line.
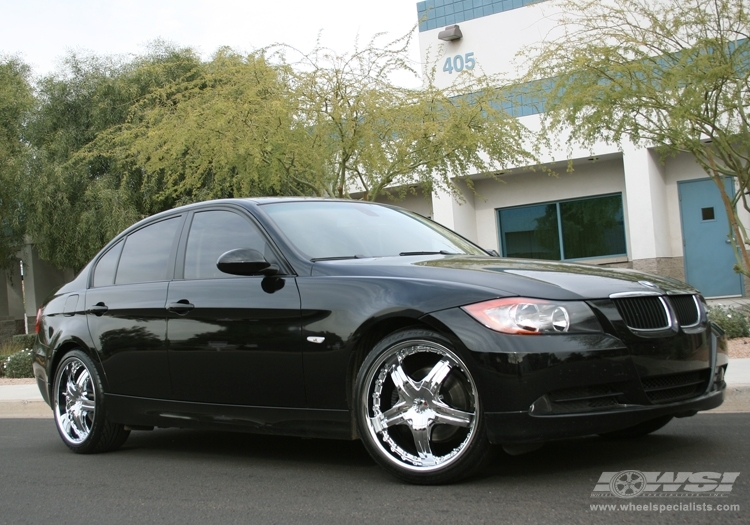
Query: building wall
x=647, y=182
x=532, y=187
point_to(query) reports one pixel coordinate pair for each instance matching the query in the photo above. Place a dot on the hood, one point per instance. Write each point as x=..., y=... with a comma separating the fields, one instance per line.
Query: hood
x=510, y=277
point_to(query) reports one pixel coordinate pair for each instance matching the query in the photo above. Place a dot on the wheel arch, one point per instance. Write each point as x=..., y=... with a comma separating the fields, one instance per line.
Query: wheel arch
x=59, y=353
x=375, y=332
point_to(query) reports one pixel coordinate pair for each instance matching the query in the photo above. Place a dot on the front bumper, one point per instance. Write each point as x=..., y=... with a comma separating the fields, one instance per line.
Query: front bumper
x=522, y=427
x=536, y=388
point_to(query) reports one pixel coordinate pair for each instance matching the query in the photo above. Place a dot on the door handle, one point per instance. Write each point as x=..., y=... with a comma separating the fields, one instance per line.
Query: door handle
x=98, y=309
x=181, y=307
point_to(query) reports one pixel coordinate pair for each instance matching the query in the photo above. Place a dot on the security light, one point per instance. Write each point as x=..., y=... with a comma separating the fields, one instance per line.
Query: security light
x=450, y=33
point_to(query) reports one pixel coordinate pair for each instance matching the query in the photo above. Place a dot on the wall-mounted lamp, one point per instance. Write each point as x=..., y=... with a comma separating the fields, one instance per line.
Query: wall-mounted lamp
x=450, y=33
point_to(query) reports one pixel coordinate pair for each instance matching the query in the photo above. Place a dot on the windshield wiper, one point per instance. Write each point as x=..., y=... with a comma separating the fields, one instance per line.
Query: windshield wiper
x=339, y=258
x=441, y=252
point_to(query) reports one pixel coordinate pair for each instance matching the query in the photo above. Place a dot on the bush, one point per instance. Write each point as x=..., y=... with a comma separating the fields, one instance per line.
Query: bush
x=9, y=347
x=24, y=340
x=19, y=364
x=733, y=321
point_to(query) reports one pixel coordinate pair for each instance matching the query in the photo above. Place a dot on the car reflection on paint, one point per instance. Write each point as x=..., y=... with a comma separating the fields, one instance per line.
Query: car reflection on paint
x=352, y=320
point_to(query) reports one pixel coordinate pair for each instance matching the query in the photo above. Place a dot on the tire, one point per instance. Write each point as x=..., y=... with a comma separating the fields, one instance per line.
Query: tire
x=78, y=405
x=418, y=410
x=639, y=430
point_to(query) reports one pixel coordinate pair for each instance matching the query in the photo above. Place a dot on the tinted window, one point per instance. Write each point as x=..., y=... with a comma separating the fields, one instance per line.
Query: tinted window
x=531, y=232
x=213, y=233
x=591, y=227
x=344, y=229
x=146, y=253
x=104, y=275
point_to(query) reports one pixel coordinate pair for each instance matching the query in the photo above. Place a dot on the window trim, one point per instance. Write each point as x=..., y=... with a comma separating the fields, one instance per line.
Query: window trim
x=123, y=237
x=608, y=257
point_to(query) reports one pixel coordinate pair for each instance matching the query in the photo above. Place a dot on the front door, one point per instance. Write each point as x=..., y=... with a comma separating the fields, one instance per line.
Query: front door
x=233, y=340
x=709, y=257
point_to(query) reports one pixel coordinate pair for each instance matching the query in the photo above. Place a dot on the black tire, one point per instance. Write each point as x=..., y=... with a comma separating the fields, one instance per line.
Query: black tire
x=418, y=410
x=639, y=430
x=79, y=408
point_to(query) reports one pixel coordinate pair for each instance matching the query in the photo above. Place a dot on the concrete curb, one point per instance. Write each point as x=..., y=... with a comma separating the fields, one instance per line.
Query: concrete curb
x=736, y=399
x=24, y=409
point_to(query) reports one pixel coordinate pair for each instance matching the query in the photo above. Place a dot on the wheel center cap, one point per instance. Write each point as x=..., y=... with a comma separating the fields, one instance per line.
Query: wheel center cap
x=420, y=405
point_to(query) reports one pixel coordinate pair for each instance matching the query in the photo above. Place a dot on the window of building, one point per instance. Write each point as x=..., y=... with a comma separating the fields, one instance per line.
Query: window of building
x=563, y=230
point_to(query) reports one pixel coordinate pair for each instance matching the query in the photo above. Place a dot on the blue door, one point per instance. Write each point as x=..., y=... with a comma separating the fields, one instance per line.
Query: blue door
x=709, y=257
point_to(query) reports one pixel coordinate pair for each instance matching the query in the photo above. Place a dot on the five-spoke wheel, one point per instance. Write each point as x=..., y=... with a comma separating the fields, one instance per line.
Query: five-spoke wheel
x=78, y=405
x=419, y=411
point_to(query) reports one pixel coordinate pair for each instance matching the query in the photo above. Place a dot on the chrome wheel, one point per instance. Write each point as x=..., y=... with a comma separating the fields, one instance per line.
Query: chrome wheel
x=75, y=402
x=420, y=409
x=79, y=407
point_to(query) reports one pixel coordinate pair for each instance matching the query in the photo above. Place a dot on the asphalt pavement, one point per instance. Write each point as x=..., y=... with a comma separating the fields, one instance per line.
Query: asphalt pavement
x=187, y=476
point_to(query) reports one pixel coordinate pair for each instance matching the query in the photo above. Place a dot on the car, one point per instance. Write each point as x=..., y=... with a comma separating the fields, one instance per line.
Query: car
x=343, y=319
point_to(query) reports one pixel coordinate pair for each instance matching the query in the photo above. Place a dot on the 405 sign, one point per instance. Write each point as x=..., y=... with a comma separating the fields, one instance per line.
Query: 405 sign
x=458, y=63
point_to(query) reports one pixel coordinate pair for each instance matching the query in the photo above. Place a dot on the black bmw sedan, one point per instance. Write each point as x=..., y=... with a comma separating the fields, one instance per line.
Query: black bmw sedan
x=352, y=320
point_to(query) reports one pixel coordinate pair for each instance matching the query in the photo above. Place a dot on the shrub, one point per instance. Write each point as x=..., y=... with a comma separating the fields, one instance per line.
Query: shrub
x=733, y=321
x=24, y=340
x=9, y=347
x=19, y=364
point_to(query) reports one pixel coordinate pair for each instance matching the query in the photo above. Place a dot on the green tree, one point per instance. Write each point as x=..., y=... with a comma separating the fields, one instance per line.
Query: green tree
x=324, y=124
x=670, y=74
x=16, y=100
x=369, y=135
x=222, y=132
x=78, y=198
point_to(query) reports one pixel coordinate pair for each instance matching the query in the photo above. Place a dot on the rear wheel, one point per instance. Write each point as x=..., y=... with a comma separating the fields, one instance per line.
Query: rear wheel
x=78, y=405
x=419, y=413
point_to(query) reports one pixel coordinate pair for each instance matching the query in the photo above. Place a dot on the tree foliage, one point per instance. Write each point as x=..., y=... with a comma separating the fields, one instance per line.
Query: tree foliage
x=322, y=124
x=115, y=140
x=670, y=74
x=369, y=135
x=16, y=100
x=77, y=198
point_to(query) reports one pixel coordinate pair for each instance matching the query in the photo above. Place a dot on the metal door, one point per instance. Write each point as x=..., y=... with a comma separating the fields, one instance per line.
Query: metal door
x=709, y=258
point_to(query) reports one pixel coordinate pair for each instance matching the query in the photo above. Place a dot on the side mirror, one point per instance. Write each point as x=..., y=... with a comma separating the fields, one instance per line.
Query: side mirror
x=493, y=253
x=245, y=261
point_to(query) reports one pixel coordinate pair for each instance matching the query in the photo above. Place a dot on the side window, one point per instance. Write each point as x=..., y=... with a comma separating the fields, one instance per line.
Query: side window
x=213, y=233
x=104, y=274
x=146, y=253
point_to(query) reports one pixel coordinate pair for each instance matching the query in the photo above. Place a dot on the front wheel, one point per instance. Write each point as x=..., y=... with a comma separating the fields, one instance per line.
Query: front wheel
x=418, y=409
x=78, y=404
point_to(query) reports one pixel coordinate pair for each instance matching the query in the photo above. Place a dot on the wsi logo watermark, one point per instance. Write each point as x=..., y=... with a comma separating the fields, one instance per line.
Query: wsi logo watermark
x=633, y=483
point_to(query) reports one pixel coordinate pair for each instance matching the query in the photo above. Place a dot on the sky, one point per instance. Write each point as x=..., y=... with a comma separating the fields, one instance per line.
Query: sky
x=42, y=32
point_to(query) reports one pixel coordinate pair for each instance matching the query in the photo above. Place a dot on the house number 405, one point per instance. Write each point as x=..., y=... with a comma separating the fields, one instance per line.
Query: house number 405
x=459, y=62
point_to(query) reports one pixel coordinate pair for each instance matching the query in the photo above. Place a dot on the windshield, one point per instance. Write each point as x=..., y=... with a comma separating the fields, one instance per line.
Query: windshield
x=332, y=230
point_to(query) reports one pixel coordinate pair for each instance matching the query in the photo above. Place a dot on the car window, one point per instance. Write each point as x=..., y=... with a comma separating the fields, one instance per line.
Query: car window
x=146, y=253
x=213, y=233
x=104, y=274
x=322, y=229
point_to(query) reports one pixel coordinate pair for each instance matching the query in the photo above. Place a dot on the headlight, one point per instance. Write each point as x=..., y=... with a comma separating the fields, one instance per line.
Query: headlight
x=519, y=315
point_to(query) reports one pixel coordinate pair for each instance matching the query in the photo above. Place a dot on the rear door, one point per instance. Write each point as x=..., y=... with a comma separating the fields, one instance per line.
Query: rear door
x=125, y=309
